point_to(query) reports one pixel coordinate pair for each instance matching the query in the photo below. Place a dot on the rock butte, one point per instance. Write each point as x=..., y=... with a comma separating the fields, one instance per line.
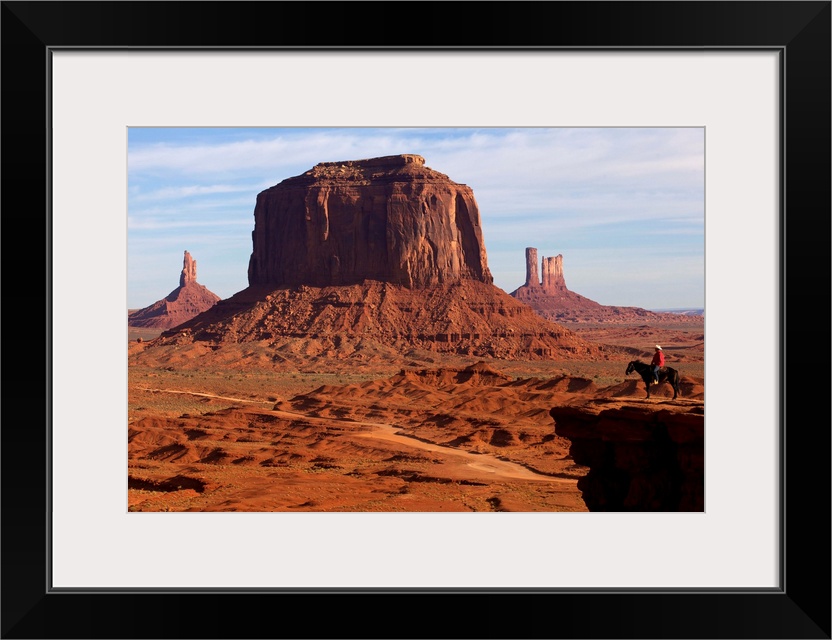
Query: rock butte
x=390, y=219
x=188, y=300
x=551, y=298
x=382, y=249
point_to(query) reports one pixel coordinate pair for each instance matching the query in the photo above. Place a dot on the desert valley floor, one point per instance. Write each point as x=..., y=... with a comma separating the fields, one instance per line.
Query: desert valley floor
x=295, y=428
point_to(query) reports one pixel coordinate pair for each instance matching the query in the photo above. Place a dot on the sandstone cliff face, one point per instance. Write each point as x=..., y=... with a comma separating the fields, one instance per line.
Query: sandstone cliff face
x=639, y=459
x=188, y=300
x=390, y=219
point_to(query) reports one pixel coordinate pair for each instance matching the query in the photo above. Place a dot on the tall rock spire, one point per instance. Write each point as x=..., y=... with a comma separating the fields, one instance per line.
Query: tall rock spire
x=187, y=301
x=553, y=273
x=188, y=274
x=532, y=277
x=552, y=300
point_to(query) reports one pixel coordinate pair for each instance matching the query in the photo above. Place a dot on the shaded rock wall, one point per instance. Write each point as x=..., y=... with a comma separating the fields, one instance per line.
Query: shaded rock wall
x=640, y=459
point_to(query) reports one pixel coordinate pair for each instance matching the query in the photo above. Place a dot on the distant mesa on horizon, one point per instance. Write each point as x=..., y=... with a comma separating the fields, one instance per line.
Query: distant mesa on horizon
x=187, y=301
x=550, y=298
x=683, y=311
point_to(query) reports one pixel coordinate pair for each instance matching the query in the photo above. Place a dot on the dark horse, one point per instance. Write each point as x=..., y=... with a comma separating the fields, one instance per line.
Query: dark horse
x=666, y=374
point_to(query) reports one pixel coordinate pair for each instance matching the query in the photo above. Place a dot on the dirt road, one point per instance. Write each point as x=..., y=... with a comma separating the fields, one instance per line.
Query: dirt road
x=479, y=462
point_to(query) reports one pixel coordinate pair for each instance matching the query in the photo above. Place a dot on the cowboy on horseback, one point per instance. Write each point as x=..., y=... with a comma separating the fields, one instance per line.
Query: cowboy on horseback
x=648, y=372
x=657, y=363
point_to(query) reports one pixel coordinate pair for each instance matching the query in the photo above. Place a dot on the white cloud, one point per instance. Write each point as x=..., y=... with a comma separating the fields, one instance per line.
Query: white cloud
x=176, y=193
x=168, y=225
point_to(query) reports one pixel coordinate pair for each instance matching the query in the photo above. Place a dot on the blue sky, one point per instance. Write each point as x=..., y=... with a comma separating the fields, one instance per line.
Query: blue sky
x=624, y=206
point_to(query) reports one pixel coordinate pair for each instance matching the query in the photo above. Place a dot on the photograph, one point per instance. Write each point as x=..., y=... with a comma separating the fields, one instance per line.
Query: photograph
x=397, y=283
x=356, y=329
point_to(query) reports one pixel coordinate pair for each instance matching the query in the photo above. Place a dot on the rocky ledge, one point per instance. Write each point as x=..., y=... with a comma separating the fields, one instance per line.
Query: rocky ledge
x=642, y=456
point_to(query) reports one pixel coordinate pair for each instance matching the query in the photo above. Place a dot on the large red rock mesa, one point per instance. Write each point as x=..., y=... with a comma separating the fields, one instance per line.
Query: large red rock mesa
x=187, y=301
x=550, y=298
x=382, y=249
x=389, y=219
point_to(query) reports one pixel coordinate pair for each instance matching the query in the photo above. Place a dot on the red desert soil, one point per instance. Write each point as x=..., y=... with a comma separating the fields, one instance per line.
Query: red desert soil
x=260, y=426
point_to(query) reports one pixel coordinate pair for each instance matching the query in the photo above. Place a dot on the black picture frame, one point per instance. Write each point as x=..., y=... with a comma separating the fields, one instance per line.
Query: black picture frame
x=799, y=31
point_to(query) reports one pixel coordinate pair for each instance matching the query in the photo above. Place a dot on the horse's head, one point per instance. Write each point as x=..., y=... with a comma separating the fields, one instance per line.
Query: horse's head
x=630, y=368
